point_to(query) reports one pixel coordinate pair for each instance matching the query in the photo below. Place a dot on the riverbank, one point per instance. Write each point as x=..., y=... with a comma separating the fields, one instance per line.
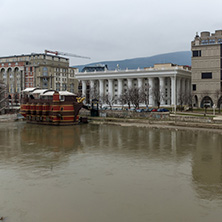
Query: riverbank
x=8, y=117
x=158, y=121
x=174, y=122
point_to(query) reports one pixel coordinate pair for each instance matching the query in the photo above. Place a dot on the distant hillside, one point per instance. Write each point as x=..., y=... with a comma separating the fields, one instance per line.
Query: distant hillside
x=179, y=58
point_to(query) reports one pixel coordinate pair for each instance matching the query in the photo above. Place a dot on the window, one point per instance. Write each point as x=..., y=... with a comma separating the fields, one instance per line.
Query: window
x=194, y=87
x=62, y=98
x=212, y=41
x=63, y=86
x=72, y=87
x=204, y=42
x=57, y=86
x=196, y=53
x=206, y=75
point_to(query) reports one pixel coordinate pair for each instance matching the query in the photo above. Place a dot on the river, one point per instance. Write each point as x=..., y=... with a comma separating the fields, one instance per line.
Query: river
x=105, y=173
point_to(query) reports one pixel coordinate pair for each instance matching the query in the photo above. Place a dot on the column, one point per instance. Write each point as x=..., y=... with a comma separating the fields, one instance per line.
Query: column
x=101, y=88
x=140, y=87
x=188, y=87
x=22, y=80
x=173, y=90
x=178, y=90
x=140, y=83
x=168, y=91
x=130, y=83
x=83, y=88
x=91, y=84
x=183, y=85
x=110, y=88
x=120, y=89
x=151, y=84
x=162, y=90
x=92, y=90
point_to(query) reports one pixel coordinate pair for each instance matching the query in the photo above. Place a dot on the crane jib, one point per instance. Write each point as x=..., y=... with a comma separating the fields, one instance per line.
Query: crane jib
x=66, y=54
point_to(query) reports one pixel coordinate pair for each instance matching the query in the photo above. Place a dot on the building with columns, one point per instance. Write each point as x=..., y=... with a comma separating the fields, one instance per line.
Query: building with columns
x=169, y=80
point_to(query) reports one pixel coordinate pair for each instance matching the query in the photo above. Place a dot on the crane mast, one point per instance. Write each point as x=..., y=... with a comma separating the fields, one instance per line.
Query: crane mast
x=65, y=54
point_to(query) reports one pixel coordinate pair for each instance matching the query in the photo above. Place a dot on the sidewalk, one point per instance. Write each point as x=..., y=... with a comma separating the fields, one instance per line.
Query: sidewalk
x=217, y=118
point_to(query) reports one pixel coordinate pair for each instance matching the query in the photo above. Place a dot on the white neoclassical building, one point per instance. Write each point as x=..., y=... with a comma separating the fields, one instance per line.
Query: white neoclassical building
x=171, y=80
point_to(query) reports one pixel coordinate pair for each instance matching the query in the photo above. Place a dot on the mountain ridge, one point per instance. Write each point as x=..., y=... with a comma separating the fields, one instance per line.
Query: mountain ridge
x=179, y=58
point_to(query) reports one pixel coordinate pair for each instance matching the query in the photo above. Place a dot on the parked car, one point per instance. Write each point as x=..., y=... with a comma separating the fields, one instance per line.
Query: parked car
x=147, y=110
x=139, y=110
x=162, y=110
x=153, y=110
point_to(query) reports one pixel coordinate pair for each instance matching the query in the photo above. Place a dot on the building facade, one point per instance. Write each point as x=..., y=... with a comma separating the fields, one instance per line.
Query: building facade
x=207, y=69
x=168, y=80
x=37, y=70
x=93, y=68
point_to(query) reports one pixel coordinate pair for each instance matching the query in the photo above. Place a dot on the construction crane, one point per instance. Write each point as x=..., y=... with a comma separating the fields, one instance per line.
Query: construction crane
x=65, y=54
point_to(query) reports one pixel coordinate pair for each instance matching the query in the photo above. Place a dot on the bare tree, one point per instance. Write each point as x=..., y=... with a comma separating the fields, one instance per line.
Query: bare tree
x=131, y=96
x=144, y=94
x=158, y=95
x=122, y=100
x=125, y=98
x=109, y=99
x=189, y=99
x=134, y=96
x=94, y=94
x=102, y=100
x=181, y=99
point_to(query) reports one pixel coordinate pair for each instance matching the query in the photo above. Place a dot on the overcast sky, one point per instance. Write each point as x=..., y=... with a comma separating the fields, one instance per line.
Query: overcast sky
x=104, y=29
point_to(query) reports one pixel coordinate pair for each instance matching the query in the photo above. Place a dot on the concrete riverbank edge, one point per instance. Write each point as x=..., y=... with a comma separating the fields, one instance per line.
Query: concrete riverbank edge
x=8, y=117
x=173, y=123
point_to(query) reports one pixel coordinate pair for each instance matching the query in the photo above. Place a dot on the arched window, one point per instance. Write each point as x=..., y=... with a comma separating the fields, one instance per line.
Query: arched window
x=206, y=102
x=219, y=103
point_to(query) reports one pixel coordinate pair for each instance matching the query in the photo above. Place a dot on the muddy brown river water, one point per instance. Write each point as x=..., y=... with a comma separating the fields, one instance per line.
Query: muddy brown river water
x=105, y=173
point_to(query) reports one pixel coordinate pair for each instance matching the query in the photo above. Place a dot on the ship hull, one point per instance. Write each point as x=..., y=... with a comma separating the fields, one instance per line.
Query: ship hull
x=52, y=111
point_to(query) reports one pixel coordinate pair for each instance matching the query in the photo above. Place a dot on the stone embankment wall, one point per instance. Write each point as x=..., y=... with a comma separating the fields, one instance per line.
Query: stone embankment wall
x=8, y=117
x=128, y=114
x=161, y=116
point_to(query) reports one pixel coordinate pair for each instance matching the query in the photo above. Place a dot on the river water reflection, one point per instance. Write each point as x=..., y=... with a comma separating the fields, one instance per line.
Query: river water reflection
x=109, y=173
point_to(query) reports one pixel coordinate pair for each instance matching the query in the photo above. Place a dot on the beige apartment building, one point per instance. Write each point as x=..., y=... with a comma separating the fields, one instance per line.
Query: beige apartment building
x=207, y=69
x=37, y=70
